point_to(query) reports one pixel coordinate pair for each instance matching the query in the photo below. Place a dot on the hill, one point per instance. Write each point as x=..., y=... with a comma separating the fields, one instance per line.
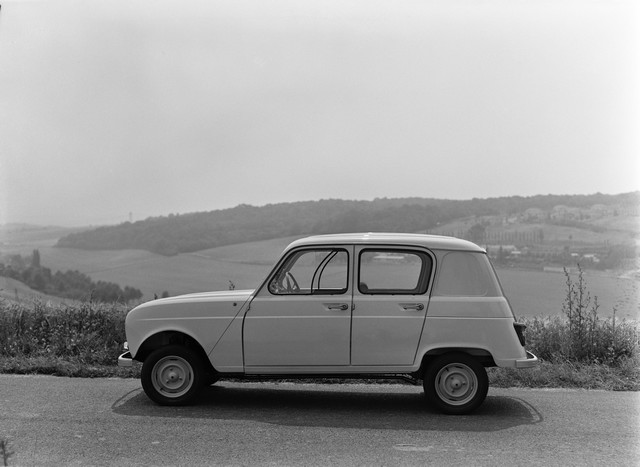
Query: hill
x=184, y=233
x=245, y=265
x=536, y=232
x=22, y=239
x=16, y=291
x=532, y=291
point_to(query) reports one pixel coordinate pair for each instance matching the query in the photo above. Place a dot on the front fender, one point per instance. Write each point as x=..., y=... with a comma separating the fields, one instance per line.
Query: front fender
x=161, y=336
x=203, y=317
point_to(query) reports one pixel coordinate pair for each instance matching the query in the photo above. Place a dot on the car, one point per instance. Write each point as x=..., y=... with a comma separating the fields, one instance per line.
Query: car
x=422, y=308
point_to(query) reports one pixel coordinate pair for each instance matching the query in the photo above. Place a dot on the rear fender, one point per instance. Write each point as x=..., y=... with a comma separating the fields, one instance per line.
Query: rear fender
x=482, y=355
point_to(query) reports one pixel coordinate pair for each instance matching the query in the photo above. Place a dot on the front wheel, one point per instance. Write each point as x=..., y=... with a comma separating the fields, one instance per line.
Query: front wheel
x=172, y=375
x=456, y=383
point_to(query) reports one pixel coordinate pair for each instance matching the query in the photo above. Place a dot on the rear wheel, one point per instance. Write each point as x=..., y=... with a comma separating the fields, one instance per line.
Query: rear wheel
x=211, y=379
x=172, y=375
x=456, y=383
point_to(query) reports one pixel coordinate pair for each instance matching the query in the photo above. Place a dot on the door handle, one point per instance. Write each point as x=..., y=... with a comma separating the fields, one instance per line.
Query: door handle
x=337, y=306
x=412, y=306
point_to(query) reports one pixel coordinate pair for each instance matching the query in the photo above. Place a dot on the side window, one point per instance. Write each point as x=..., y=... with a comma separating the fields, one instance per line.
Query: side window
x=306, y=272
x=393, y=272
x=466, y=274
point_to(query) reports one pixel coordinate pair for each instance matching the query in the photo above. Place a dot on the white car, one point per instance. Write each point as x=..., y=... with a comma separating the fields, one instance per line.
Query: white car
x=371, y=305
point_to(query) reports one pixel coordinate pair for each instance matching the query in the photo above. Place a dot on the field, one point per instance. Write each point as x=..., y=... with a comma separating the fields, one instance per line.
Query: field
x=531, y=292
x=244, y=264
x=14, y=290
x=538, y=293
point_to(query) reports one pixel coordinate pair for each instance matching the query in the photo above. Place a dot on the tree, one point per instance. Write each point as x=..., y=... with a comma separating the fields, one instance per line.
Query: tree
x=35, y=259
x=131, y=294
x=16, y=262
x=476, y=233
x=38, y=281
x=502, y=256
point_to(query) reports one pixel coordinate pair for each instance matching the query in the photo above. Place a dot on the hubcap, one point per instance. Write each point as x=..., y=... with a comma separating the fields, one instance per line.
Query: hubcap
x=172, y=376
x=456, y=384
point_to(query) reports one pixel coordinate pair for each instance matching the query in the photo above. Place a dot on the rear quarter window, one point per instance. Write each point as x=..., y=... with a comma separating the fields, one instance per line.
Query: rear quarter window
x=466, y=274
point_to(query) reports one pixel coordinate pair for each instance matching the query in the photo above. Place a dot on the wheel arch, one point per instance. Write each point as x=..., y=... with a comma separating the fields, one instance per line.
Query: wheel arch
x=164, y=338
x=482, y=355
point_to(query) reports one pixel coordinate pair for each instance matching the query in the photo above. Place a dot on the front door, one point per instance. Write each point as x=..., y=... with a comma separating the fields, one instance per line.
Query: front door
x=302, y=316
x=390, y=304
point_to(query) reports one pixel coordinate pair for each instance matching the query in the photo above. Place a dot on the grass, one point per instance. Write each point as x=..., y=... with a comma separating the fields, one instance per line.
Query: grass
x=625, y=377
x=58, y=366
x=87, y=334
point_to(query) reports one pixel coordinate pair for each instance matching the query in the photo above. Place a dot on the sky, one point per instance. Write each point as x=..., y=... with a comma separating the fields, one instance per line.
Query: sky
x=117, y=110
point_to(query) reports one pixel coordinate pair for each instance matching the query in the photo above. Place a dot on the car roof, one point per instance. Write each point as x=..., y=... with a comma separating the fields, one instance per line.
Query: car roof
x=436, y=242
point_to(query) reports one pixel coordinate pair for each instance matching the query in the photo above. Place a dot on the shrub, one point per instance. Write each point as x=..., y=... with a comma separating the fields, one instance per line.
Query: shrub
x=609, y=342
x=89, y=333
x=582, y=336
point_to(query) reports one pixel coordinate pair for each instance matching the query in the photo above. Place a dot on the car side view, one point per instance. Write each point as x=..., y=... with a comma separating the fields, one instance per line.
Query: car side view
x=371, y=305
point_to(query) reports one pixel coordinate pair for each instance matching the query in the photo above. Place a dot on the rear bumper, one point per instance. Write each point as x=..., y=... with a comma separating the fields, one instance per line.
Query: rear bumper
x=528, y=362
x=125, y=360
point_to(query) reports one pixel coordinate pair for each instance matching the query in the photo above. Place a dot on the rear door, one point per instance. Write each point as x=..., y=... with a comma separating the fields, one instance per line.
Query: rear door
x=390, y=304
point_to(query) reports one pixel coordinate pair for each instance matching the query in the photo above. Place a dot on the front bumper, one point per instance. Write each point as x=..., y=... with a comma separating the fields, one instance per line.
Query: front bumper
x=125, y=360
x=528, y=362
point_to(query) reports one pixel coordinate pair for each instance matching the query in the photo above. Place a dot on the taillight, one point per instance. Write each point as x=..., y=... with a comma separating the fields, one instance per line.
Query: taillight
x=519, y=327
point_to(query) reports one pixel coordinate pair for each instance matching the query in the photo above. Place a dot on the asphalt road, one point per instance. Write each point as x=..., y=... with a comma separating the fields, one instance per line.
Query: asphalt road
x=62, y=421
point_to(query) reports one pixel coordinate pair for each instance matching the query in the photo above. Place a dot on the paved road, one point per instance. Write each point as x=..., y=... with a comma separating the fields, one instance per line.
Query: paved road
x=62, y=421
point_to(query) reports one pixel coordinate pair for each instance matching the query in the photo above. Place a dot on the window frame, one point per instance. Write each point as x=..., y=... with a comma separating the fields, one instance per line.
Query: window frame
x=424, y=278
x=332, y=251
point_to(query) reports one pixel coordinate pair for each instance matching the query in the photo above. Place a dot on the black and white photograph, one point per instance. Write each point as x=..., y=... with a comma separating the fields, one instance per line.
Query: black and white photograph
x=317, y=233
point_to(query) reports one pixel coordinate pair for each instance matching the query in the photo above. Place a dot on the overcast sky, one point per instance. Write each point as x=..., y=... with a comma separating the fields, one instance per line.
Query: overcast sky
x=154, y=107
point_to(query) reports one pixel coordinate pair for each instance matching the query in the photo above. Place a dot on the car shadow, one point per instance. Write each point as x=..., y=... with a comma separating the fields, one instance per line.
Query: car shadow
x=339, y=407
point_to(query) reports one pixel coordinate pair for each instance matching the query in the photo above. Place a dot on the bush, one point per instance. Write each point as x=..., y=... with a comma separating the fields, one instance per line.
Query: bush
x=582, y=336
x=606, y=342
x=89, y=333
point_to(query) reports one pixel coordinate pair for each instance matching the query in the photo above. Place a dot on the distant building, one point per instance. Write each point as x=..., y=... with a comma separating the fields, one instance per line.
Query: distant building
x=600, y=210
x=591, y=258
x=563, y=213
x=534, y=215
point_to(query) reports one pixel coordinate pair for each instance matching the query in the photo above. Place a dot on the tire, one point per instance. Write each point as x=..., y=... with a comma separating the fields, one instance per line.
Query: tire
x=172, y=375
x=211, y=379
x=456, y=383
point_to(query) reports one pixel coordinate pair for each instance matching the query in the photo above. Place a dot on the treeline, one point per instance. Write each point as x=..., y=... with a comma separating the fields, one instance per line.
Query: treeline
x=198, y=231
x=182, y=233
x=69, y=284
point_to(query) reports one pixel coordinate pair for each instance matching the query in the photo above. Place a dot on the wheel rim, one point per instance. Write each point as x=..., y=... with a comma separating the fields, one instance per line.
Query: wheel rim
x=456, y=384
x=172, y=376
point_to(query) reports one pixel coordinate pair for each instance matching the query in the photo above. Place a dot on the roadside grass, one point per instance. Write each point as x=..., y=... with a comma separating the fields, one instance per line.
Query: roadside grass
x=59, y=366
x=625, y=377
